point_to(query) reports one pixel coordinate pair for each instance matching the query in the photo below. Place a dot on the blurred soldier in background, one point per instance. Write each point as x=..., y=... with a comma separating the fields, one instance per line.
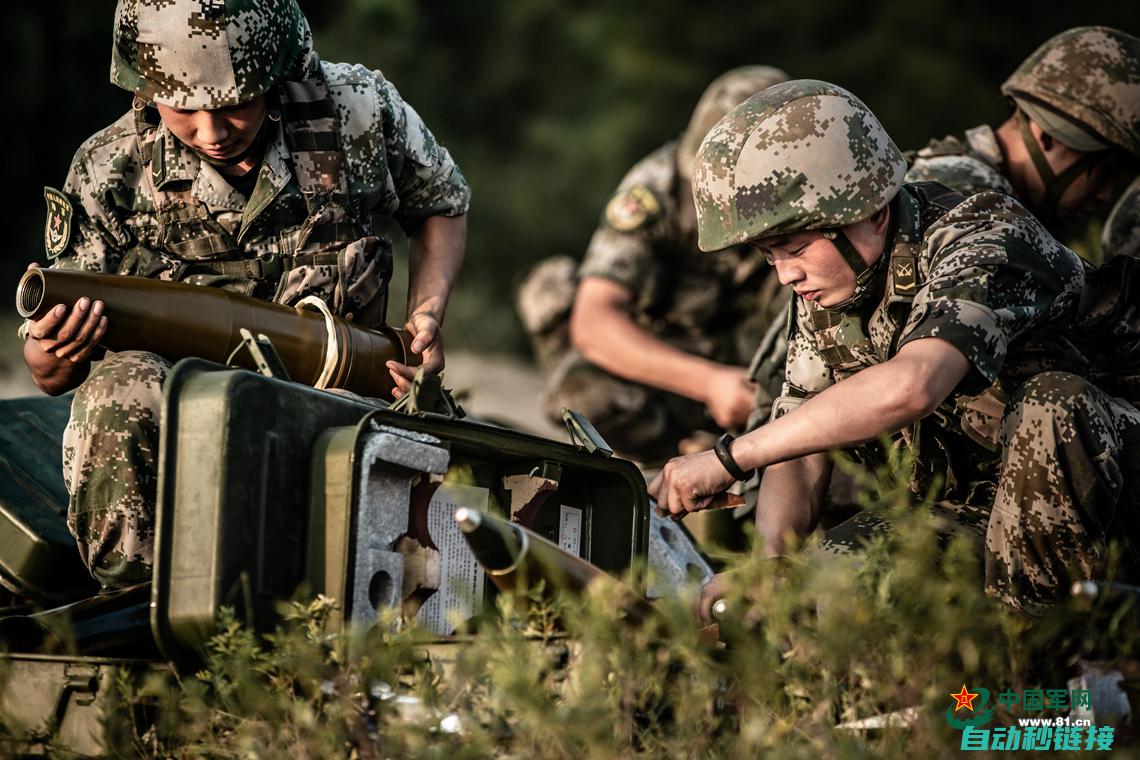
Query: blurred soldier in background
x=943, y=320
x=648, y=338
x=1074, y=134
x=246, y=163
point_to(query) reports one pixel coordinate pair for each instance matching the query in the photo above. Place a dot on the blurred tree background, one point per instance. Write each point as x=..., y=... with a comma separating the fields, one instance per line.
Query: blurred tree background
x=546, y=104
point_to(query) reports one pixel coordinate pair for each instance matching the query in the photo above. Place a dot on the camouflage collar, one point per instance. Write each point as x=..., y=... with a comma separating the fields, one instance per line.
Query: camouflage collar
x=275, y=175
x=172, y=161
x=983, y=141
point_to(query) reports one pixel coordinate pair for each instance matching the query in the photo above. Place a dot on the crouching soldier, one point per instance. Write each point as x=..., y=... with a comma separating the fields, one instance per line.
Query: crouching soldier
x=245, y=163
x=922, y=313
x=654, y=351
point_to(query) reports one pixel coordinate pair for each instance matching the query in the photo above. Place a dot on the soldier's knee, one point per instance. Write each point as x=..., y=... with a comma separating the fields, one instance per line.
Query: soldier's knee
x=125, y=377
x=1057, y=398
x=128, y=367
x=544, y=297
x=597, y=394
x=545, y=293
x=1052, y=387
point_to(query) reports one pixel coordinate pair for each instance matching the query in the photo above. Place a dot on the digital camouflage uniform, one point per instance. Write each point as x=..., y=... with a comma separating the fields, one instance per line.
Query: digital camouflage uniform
x=341, y=146
x=716, y=308
x=971, y=164
x=1035, y=457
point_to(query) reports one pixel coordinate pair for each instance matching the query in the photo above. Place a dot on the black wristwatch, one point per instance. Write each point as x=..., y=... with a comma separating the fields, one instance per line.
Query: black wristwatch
x=724, y=454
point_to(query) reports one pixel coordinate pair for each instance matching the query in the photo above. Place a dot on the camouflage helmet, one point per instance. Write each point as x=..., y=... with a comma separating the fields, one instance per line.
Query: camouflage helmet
x=1090, y=75
x=208, y=54
x=803, y=155
x=726, y=92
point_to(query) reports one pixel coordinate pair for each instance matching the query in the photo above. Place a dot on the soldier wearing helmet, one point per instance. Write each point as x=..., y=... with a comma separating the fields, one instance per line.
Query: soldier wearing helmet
x=923, y=314
x=646, y=337
x=245, y=163
x=1074, y=132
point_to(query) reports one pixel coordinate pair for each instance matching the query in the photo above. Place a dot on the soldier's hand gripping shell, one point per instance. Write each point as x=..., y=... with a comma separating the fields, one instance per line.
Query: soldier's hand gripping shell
x=70, y=334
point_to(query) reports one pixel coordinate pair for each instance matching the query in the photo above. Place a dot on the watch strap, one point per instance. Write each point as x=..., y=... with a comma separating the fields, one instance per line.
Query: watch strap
x=724, y=454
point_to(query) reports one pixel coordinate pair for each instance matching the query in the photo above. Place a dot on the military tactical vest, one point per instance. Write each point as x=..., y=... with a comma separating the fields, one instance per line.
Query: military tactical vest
x=321, y=246
x=960, y=438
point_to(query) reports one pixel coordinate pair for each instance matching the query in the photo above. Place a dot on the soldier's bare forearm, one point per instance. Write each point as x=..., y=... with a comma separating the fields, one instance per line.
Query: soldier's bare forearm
x=788, y=504
x=436, y=252
x=605, y=334
x=875, y=401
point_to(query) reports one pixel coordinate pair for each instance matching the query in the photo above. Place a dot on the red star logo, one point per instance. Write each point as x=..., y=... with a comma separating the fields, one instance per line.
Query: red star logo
x=964, y=699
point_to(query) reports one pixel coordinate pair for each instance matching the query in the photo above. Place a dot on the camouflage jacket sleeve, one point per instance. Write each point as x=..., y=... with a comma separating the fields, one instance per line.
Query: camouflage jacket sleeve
x=636, y=218
x=805, y=372
x=94, y=235
x=990, y=272
x=426, y=179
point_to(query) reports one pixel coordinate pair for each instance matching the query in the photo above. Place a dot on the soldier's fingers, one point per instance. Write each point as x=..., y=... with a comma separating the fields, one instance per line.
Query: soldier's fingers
x=676, y=505
x=82, y=339
x=401, y=384
x=401, y=372
x=663, y=497
x=696, y=503
x=44, y=327
x=425, y=331
x=433, y=359
x=424, y=339
x=92, y=344
x=655, y=484
x=70, y=328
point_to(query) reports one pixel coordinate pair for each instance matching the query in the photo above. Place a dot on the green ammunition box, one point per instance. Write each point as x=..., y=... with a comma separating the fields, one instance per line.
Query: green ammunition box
x=233, y=497
x=268, y=488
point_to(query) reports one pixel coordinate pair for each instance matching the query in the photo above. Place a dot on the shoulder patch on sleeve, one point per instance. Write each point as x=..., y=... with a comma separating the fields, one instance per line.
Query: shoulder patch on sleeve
x=57, y=229
x=633, y=208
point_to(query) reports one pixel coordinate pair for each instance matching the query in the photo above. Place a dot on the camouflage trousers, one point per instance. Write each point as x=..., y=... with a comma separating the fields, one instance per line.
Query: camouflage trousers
x=639, y=422
x=110, y=466
x=1069, y=486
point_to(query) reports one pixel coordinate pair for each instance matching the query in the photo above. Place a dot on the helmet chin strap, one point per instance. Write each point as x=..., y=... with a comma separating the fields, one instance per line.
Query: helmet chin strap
x=864, y=272
x=1055, y=184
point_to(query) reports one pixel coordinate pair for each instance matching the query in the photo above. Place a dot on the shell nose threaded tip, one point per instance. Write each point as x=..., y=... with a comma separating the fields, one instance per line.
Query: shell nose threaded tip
x=30, y=293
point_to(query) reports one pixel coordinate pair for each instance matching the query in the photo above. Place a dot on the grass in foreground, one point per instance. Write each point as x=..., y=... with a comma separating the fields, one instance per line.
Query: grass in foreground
x=813, y=645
